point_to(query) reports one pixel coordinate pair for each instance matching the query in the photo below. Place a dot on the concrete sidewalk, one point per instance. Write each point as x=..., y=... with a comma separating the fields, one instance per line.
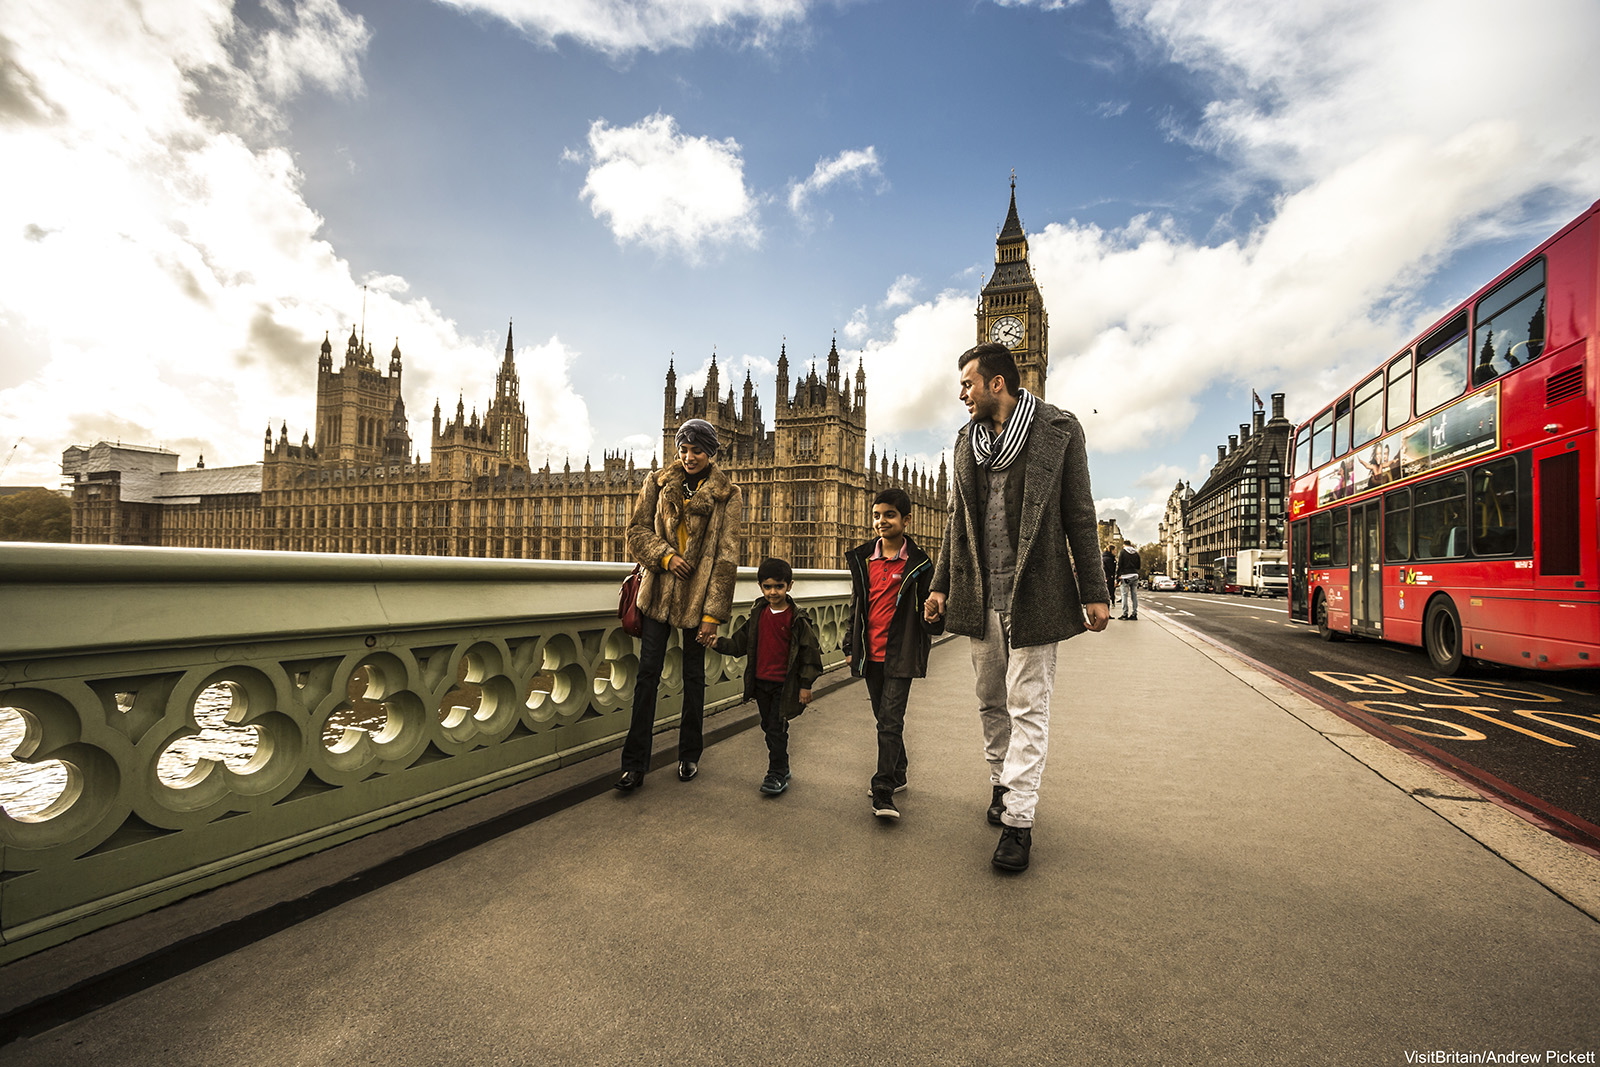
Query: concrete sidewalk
x=1222, y=873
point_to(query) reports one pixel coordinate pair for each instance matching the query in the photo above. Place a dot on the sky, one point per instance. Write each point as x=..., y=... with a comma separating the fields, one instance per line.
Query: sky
x=1222, y=197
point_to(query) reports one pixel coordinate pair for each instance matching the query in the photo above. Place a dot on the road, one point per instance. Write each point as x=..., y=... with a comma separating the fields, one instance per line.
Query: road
x=1530, y=738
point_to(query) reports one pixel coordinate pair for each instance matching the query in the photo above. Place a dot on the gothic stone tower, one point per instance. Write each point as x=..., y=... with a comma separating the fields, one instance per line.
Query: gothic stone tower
x=507, y=417
x=357, y=406
x=1011, y=308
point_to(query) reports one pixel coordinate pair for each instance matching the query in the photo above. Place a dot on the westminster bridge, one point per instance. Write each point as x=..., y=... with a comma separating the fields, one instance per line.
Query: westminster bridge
x=330, y=809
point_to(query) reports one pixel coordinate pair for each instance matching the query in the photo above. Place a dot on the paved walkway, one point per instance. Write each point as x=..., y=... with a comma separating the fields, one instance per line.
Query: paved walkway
x=1216, y=879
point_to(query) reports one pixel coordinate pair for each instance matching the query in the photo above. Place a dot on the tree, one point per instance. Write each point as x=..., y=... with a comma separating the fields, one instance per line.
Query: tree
x=1152, y=560
x=35, y=515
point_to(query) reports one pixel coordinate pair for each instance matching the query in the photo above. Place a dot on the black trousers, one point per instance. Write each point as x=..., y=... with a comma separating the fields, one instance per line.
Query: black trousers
x=889, y=696
x=774, y=725
x=652, y=655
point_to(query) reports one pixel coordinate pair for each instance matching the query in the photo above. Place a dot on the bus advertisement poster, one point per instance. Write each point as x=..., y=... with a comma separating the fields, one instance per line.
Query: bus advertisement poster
x=1467, y=428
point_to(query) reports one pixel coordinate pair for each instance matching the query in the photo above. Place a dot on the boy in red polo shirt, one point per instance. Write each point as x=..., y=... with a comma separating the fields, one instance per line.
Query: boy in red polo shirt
x=783, y=659
x=888, y=639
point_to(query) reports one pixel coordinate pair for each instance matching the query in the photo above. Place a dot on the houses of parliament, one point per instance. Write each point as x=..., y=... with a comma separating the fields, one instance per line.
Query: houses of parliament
x=355, y=483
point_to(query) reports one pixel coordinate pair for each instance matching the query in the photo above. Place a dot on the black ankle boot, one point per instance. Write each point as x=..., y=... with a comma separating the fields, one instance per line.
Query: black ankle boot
x=997, y=806
x=1012, y=852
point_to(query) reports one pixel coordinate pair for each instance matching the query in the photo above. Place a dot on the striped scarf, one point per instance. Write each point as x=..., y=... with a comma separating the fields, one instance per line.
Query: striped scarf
x=998, y=453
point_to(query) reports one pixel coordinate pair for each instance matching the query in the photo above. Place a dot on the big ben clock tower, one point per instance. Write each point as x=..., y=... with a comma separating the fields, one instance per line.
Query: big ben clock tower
x=1011, y=309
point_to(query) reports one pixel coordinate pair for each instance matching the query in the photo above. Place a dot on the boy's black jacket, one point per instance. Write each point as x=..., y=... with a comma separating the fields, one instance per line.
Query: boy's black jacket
x=910, y=635
x=805, y=655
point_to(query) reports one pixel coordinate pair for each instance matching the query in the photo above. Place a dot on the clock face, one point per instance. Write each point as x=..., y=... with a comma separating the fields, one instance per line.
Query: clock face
x=1007, y=331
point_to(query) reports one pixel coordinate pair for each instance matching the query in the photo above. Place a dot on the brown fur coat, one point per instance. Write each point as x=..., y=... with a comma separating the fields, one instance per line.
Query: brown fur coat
x=712, y=517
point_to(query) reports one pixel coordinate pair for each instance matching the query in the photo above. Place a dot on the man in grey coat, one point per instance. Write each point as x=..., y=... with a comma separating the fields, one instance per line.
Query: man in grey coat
x=1019, y=572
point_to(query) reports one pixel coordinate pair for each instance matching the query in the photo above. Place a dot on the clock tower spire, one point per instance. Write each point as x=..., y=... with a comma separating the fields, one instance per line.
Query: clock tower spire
x=1011, y=308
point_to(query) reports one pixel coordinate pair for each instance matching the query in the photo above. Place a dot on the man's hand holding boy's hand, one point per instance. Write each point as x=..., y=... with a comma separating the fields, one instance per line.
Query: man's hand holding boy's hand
x=933, y=608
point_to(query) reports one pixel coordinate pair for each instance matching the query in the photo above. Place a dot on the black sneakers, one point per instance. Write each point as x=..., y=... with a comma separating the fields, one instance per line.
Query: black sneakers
x=1012, y=852
x=883, y=807
x=775, y=782
x=997, y=806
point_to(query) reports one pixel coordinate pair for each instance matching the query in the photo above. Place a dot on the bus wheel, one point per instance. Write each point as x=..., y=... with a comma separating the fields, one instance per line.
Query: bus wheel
x=1319, y=615
x=1441, y=633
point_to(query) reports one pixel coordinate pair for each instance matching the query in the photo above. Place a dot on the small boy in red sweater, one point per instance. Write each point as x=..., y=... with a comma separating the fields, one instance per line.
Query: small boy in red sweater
x=782, y=660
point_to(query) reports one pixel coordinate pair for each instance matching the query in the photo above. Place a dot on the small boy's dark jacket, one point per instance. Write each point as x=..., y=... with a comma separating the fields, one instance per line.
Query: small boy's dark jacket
x=910, y=635
x=805, y=655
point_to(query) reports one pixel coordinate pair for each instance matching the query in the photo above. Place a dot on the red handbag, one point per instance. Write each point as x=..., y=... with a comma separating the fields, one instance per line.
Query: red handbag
x=628, y=603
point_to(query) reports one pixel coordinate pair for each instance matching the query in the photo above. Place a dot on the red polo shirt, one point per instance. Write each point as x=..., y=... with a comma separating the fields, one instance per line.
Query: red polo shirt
x=883, y=596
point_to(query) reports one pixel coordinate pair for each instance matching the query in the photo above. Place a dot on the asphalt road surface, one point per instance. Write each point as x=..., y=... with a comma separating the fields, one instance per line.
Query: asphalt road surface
x=1532, y=738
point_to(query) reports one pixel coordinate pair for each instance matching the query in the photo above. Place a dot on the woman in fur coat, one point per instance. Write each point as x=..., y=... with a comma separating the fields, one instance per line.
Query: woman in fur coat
x=684, y=531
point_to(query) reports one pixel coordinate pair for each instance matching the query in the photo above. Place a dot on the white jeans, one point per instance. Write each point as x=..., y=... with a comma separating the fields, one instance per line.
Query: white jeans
x=1014, y=687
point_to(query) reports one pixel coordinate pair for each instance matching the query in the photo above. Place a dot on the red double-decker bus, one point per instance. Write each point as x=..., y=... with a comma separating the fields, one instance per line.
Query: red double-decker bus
x=1449, y=499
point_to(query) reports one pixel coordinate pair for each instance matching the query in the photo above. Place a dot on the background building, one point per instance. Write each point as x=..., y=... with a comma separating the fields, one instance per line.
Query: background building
x=1173, y=536
x=358, y=486
x=1241, y=504
x=807, y=483
x=1011, y=307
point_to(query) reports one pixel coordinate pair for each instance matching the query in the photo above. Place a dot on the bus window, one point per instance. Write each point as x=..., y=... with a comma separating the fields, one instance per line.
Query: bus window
x=1442, y=365
x=1510, y=325
x=1321, y=539
x=1369, y=411
x=1438, y=518
x=1397, y=526
x=1341, y=542
x=1341, y=427
x=1322, y=439
x=1302, y=451
x=1399, y=393
x=1494, y=508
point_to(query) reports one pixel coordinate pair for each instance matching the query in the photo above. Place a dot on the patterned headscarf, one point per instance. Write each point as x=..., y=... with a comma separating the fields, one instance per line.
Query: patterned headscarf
x=699, y=433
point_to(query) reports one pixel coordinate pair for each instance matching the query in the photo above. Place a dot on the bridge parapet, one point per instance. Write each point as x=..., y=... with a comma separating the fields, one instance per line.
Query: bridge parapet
x=195, y=716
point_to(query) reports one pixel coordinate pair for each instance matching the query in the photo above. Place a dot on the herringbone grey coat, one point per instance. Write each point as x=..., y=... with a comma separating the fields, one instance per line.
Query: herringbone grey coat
x=711, y=516
x=1058, y=552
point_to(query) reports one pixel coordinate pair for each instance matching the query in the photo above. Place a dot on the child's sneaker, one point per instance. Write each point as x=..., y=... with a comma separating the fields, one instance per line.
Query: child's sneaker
x=883, y=807
x=775, y=783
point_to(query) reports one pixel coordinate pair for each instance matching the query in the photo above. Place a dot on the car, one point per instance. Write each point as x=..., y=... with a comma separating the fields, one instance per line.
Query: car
x=1163, y=584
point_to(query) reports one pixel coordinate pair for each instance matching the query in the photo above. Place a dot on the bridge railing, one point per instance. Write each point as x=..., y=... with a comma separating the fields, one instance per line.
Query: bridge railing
x=193, y=716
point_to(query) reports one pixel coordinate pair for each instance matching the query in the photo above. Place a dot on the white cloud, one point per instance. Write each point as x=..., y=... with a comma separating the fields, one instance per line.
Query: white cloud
x=558, y=419
x=321, y=46
x=902, y=293
x=851, y=166
x=668, y=190
x=1042, y=5
x=859, y=327
x=1389, y=136
x=912, y=377
x=159, y=270
x=618, y=27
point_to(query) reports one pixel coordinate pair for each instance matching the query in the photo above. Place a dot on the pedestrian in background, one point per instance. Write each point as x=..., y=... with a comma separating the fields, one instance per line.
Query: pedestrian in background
x=1016, y=595
x=684, y=531
x=1128, y=579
